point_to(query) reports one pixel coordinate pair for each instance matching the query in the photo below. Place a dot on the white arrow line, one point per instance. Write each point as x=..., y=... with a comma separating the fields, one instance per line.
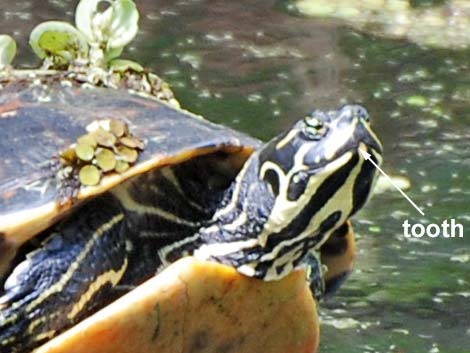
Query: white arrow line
x=367, y=158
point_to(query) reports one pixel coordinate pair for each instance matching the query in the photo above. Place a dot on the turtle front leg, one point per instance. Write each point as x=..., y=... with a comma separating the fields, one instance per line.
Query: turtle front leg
x=70, y=276
x=329, y=267
x=315, y=274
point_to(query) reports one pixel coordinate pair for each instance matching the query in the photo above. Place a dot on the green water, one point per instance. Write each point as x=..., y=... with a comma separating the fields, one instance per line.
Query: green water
x=257, y=67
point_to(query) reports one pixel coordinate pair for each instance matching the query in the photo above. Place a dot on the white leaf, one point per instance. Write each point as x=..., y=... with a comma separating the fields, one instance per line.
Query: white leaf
x=124, y=23
x=115, y=27
x=84, y=15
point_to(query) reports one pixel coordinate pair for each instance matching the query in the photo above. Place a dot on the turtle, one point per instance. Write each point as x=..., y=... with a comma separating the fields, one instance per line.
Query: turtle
x=72, y=241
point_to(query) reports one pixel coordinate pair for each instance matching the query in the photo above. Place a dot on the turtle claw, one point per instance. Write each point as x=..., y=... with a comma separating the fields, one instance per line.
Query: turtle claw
x=315, y=274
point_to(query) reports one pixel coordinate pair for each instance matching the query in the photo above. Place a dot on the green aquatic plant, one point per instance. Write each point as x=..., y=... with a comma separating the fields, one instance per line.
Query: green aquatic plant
x=98, y=37
x=59, y=42
x=88, y=52
x=122, y=65
x=436, y=24
x=7, y=50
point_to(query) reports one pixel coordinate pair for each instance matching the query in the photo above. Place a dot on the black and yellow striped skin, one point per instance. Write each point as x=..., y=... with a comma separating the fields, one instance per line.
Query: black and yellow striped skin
x=51, y=288
x=338, y=254
x=42, y=119
x=287, y=200
x=310, y=184
x=105, y=248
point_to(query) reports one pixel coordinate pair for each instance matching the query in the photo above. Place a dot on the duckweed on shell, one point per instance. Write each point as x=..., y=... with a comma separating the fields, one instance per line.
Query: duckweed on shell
x=127, y=154
x=121, y=166
x=89, y=175
x=132, y=142
x=104, y=138
x=118, y=128
x=108, y=146
x=87, y=140
x=84, y=151
x=105, y=159
x=69, y=156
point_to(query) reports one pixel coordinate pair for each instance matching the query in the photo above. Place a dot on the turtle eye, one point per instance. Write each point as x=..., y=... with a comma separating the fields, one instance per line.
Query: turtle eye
x=362, y=114
x=314, y=127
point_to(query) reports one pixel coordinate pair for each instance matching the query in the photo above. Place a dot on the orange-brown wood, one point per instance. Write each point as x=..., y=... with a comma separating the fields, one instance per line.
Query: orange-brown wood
x=197, y=306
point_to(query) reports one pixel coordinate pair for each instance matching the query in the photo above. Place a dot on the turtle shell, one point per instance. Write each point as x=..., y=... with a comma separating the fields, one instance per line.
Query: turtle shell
x=40, y=118
x=195, y=306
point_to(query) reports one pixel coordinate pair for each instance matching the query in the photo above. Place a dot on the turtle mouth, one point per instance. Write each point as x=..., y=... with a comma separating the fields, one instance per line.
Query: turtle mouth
x=371, y=141
x=344, y=136
x=369, y=145
x=364, y=138
x=334, y=163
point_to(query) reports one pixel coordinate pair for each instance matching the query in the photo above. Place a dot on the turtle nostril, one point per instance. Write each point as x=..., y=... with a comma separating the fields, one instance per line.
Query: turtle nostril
x=361, y=113
x=353, y=111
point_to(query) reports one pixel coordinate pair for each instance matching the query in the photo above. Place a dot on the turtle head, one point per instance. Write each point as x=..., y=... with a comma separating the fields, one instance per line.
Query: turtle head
x=316, y=170
x=320, y=146
x=296, y=191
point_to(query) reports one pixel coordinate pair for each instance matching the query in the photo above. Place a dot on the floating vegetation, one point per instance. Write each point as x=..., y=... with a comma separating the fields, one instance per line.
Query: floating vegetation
x=445, y=26
x=417, y=101
x=463, y=258
x=108, y=146
x=383, y=185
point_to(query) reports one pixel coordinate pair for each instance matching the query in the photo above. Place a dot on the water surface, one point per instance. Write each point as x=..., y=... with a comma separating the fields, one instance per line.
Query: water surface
x=258, y=66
